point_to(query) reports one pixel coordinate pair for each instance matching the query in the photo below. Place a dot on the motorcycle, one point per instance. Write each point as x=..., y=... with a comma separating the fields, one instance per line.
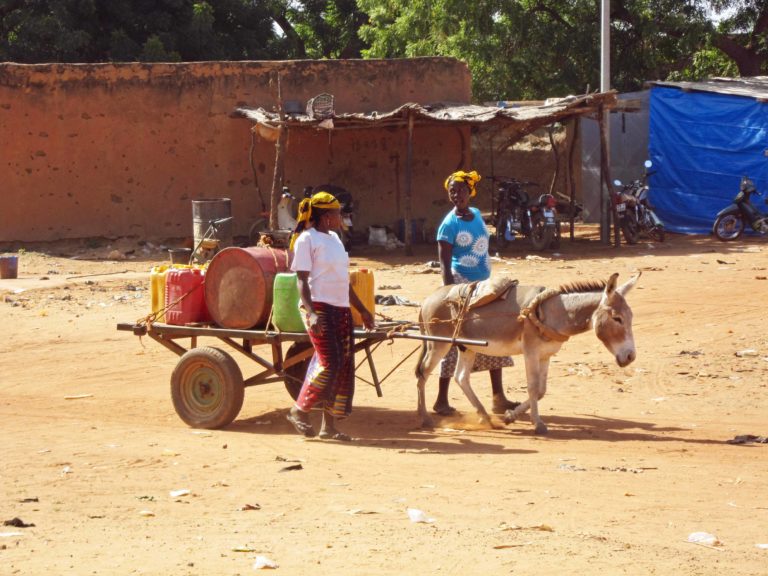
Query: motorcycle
x=732, y=220
x=516, y=214
x=287, y=209
x=634, y=210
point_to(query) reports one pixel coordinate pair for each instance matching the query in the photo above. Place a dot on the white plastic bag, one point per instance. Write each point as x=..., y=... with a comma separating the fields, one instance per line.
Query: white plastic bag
x=377, y=236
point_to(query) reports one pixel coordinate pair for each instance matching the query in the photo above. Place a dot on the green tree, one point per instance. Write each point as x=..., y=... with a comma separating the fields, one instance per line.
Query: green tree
x=533, y=48
x=743, y=34
x=321, y=28
x=124, y=30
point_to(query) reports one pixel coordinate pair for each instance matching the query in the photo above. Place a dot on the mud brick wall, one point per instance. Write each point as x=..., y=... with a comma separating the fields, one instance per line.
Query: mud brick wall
x=90, y=150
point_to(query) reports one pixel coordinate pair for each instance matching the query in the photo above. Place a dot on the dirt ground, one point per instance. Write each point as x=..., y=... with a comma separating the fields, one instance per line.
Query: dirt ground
x=635, y=461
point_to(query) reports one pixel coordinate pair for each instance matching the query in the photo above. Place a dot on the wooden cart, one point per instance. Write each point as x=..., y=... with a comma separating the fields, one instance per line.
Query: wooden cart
x=207, y=385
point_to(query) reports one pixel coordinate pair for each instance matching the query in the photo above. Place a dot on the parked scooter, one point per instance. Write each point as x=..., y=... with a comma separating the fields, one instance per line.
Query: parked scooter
x=287, y=209
x=517, y=215
x=733, y=219
x=634, y=210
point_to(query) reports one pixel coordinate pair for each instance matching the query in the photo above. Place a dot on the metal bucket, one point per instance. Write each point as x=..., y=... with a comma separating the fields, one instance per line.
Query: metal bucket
x=9, y=267
x=205, y=211
x=180, y=255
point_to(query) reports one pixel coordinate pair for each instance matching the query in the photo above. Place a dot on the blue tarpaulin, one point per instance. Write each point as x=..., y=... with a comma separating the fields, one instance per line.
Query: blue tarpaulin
x=701, y=144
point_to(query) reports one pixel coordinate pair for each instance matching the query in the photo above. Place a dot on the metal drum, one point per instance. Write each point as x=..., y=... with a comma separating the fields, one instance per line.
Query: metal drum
x=239, y=283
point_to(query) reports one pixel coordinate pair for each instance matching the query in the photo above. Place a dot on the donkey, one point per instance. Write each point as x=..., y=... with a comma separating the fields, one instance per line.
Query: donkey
x=531, y=321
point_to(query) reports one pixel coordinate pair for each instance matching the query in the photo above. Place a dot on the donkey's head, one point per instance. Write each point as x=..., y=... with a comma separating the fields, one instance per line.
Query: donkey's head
x=612, y=320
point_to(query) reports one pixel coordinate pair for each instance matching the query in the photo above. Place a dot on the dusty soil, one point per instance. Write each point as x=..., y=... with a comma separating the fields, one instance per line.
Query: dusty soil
x=636, y=459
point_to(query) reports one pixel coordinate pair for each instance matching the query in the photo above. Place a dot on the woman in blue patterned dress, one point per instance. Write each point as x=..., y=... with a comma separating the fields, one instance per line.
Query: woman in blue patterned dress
x=462, y=246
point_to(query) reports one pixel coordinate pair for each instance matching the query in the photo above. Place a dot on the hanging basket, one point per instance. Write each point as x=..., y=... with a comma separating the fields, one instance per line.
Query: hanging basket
x=320, y=107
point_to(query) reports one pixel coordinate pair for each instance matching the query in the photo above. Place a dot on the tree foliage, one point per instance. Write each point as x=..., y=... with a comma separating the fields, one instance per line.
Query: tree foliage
x=127, y=30
x=515, y=49
x=174, y=30
x=743, y=34
x=534, y=48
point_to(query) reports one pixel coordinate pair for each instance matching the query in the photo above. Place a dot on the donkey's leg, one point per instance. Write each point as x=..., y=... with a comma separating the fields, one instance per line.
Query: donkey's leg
x=533, y=373
x=534, y=394
x=543, y=375
x=431, y=354
x=463, y=370
x=537, y=394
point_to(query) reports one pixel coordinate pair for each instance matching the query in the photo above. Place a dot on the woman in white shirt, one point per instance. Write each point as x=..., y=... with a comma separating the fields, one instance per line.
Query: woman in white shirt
x=322, y=269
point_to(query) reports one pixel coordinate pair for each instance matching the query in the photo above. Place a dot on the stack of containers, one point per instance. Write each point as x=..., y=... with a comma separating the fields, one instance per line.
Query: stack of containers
x=169, y=284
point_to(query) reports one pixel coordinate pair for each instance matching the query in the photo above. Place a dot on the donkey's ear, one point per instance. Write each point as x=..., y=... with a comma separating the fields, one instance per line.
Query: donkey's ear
x=610, y=286
x=629, y=284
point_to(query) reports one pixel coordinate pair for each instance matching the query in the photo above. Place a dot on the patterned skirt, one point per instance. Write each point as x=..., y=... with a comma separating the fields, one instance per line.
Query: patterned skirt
x=482, y=362
x=330, y=377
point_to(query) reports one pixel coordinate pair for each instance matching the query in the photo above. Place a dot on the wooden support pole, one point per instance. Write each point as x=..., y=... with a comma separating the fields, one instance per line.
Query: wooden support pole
x=278, y=176
x=606, y=205
x=571, y=170
x=407, y=204
x=551, y=132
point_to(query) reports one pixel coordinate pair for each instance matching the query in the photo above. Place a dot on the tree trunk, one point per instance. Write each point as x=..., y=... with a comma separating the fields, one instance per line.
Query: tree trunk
x=747, y=60
x=744, y=49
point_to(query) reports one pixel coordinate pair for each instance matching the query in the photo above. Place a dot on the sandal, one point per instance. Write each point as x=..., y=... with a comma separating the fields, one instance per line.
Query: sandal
x=303, y=428
x=336, y=435
x=444, y=410
x=504, y=405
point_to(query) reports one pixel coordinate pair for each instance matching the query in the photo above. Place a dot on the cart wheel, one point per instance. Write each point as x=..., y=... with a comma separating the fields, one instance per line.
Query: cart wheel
x=207, y=388
x=294, y=375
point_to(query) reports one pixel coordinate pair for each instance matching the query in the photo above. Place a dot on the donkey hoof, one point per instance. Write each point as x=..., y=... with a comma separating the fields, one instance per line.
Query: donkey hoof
x=541, y=429
x=509, y=417
x=427, y=423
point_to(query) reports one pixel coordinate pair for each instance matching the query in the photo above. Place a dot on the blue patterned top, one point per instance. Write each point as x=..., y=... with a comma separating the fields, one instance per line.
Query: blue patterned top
x=469, y=260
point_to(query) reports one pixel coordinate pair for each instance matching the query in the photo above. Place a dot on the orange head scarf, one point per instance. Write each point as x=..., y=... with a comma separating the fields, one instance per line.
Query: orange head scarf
x=471, y=178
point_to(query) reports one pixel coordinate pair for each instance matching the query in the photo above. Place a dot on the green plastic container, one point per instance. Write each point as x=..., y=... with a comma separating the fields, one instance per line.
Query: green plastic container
x=285, y=303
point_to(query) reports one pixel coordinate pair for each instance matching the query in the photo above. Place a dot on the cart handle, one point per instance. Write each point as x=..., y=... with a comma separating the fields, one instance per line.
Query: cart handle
x=183, y=331
x=462, y=341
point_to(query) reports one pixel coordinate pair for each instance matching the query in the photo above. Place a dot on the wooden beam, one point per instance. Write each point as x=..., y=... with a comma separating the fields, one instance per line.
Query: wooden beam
x=407, y=204
x=278, y=176
x=571, y=180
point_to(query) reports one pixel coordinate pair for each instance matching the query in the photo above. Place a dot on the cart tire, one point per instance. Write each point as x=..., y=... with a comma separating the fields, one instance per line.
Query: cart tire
x=207, y=388
x=294, y=375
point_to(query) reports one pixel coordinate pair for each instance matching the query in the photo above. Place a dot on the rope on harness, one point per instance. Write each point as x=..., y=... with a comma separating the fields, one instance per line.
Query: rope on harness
x=463, y=308
x=530, y=314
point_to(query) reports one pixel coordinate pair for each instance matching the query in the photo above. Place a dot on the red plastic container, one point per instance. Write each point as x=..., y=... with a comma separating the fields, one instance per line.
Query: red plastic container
x=184, y=290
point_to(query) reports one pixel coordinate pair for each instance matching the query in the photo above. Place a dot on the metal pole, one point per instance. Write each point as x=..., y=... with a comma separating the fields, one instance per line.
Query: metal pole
x=605, y=86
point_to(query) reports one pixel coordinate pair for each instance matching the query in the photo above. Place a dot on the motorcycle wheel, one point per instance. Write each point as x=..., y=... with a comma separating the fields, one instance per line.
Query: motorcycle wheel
x=728, y=227
x=657, y=233
x=501, y=229
x=541, y=235
x=630, y=228
x=555, y=245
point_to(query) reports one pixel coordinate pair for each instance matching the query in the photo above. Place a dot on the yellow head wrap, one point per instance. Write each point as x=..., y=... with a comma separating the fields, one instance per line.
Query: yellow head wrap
x=471, y=178
x=322, y=200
